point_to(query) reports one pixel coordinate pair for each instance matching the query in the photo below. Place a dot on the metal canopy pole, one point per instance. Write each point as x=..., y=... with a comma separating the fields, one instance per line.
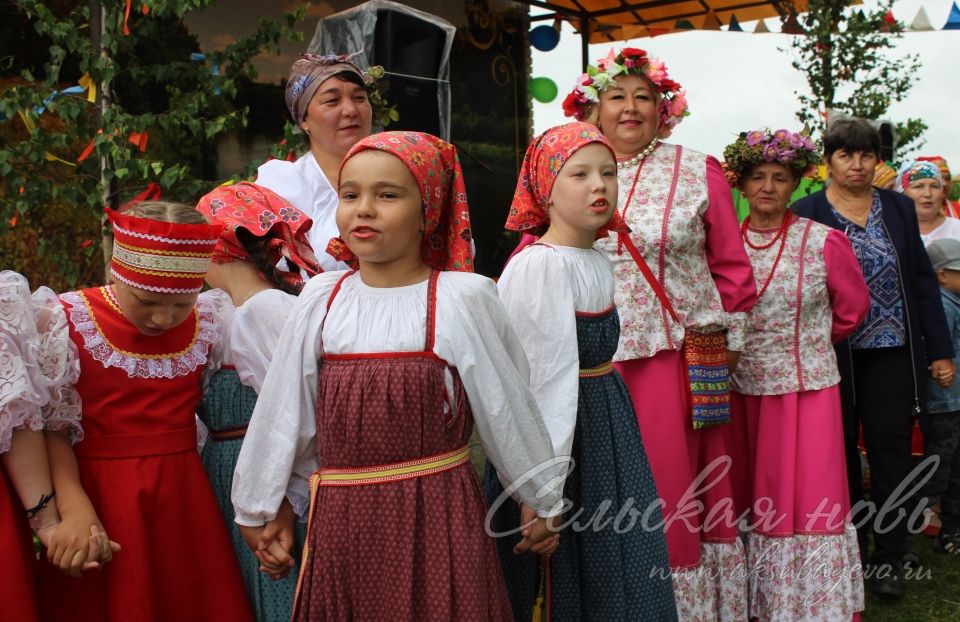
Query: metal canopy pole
x=584, y=41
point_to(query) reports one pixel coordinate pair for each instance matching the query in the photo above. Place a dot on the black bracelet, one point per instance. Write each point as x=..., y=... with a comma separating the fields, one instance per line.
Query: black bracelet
x=44, y=500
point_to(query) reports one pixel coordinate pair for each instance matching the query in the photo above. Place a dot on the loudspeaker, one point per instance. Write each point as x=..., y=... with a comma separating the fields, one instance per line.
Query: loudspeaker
x=411, y=51
x=413, y=48
x=888, y=141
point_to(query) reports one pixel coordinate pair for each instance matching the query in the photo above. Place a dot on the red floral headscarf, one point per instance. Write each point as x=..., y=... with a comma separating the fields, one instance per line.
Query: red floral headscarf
x=436, y=169
x=545, y=156
x=263, y=213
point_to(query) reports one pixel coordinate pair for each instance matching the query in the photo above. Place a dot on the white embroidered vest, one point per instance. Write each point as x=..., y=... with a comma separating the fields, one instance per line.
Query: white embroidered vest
x=665, y=216
x=788, y=347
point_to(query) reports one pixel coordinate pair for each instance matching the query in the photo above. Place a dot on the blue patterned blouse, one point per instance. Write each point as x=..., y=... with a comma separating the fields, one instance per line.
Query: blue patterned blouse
x=884, y=326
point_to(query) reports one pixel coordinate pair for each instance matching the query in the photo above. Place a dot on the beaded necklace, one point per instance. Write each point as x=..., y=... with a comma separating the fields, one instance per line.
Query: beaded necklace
x=640, y=157
x=781, y=235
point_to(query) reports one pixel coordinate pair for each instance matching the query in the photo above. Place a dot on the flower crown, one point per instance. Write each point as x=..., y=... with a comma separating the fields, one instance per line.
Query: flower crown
x=793, y=150
x=672, y=106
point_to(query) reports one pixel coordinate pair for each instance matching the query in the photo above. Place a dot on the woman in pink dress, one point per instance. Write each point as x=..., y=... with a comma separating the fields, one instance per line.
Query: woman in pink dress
x=786, y=437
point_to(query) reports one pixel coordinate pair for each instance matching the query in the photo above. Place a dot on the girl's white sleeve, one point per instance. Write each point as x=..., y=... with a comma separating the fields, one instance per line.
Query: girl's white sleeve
x=539, y=299
x=279, y=450
x=59, y=363
x=474, y=333
x=216, y=305
x=255, y=332
x=38, y=362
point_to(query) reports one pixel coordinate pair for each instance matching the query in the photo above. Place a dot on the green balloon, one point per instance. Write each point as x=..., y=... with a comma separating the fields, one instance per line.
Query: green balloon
x=543, y=90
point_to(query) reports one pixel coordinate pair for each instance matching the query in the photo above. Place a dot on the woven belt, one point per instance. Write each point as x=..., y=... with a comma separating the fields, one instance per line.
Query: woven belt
x=228, y=434
x=599, y=370
x=391, y=472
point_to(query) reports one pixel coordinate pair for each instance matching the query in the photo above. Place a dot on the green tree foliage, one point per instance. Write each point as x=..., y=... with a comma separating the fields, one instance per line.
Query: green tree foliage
x=152, y=85
x=845, y=54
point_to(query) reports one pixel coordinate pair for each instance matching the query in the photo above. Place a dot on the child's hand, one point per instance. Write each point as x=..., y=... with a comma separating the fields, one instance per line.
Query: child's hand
x=276, y=542
x=274, y=560
x=539, y=534
x=251, y=535
x=269, y=561
x=101, y=548
x=78, y=543
x=943, y=371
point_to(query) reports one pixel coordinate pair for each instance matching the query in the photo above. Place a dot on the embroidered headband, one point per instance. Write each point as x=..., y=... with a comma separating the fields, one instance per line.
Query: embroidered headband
x=435, y=167
x=545, y=156
x=883, y=175
x=672, y=106
x=165, y=257
x=307, y=74
x=939, y=161
x=263, y=213
x=915, y=170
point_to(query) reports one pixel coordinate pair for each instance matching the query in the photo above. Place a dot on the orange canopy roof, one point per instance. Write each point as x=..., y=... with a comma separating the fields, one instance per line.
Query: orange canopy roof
x=619, y=20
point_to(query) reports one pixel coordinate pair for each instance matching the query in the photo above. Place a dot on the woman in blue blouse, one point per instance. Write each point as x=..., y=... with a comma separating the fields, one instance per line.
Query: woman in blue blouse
x=904, y=337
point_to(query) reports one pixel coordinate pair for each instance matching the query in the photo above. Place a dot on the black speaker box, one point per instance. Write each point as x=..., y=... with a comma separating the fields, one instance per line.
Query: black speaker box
x=410, y=50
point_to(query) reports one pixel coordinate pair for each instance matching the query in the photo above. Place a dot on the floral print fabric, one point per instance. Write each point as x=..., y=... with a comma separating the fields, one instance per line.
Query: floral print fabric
x=435, y=166
x=545, y=156
x=673, y=245
x=263, y=213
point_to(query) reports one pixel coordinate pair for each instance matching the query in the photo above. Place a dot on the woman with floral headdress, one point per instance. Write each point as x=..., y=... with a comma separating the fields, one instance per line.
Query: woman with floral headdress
x=786, y=436
x=921, y=181
x=328, y=102
x=258, y=261
x=683, y=288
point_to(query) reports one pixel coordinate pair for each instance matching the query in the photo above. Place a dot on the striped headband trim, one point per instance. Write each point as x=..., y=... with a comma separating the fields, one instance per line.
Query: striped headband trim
x=154, y=288
x=165, y=263
x=157, y=238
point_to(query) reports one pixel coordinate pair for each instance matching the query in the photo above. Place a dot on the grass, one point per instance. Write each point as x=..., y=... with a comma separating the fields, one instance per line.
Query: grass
x=932, y=594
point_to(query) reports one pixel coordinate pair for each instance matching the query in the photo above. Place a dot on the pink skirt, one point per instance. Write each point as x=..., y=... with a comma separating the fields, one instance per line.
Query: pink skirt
x=790, y=482
x=678, y=455
x=788, y=449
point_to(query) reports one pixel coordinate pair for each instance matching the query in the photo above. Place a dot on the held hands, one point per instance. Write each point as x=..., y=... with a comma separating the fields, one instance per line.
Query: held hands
x=539, y=534
x=273, y=542
x=77, y=543
x=943, y=371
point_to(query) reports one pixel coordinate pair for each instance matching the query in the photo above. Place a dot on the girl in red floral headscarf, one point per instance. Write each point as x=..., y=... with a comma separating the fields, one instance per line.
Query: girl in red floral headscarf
x=258, y=261
x=386, y=371
x=559, y=295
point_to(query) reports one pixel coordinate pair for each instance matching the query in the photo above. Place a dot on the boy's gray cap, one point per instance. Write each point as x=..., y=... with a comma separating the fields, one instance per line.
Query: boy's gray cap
x=945, y=254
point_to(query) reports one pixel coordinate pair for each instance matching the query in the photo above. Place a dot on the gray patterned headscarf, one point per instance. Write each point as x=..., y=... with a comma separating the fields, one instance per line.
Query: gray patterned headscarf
x=306, y=76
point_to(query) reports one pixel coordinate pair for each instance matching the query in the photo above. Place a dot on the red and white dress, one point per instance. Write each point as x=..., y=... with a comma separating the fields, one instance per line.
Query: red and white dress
x=139, y=466
x=786, y=436
x=376, y=377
